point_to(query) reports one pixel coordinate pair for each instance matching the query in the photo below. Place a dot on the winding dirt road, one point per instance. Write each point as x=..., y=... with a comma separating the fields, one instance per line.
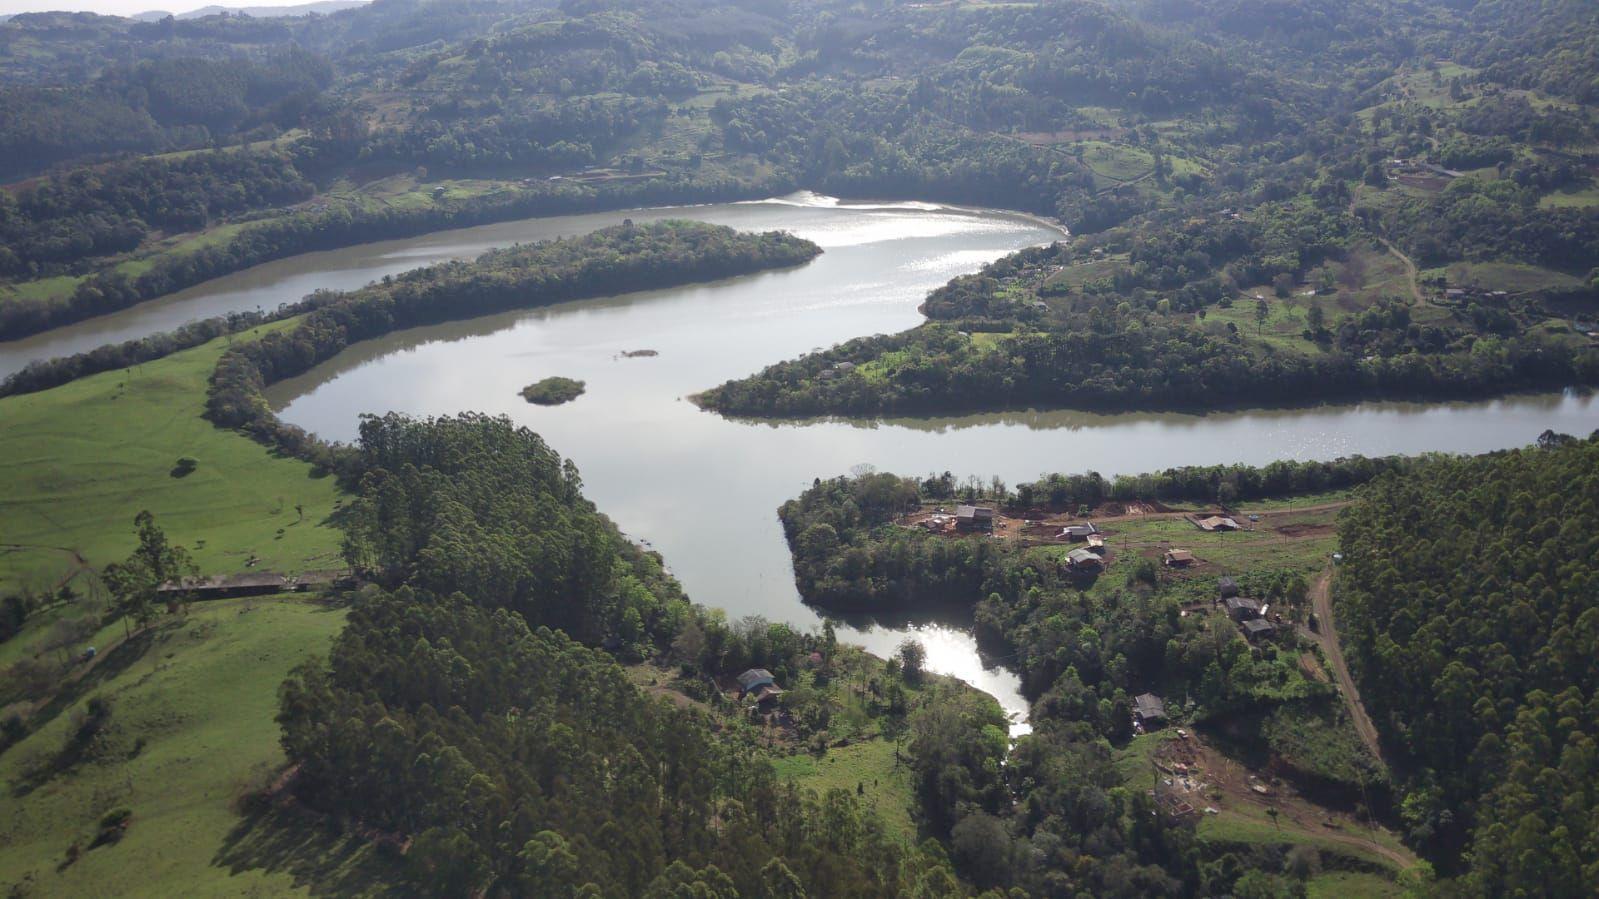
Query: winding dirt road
x=1327, y=636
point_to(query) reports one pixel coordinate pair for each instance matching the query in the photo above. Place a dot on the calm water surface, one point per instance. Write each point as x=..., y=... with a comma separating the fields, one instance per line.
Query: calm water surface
x=703, y=489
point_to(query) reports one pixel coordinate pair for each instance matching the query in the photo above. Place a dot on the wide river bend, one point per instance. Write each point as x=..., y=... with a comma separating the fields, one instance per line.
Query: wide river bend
x=703, y=489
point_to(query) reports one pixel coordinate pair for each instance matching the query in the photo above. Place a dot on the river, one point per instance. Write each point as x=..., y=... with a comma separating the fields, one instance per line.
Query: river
x=703, y=489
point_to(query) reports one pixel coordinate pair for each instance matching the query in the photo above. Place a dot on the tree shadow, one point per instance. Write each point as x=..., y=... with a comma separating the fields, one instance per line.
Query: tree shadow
x=109, y=666
x=312, y=849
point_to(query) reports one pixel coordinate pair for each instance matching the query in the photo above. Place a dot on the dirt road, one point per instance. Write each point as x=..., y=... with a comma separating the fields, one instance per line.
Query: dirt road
x=1410, y=270
x=1327, y=636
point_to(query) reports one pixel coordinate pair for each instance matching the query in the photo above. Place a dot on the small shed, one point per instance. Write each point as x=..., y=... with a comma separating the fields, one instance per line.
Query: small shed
x=969, y=518
x=1217, y=523
x=1227, y=587
x=1082, y=560
x=1179, y=558
x=1096, y=543
x=754, y=679
x=1242, y=609
x=1149, y=710
x=1256, y=629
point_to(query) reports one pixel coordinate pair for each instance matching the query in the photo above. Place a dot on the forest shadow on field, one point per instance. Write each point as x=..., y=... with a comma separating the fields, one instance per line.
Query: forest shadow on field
x=111, y=665
x=312, y=849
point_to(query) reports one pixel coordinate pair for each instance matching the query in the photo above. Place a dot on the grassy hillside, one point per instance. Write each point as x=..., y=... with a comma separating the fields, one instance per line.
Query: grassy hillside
x=191, y=730
x=78, y=462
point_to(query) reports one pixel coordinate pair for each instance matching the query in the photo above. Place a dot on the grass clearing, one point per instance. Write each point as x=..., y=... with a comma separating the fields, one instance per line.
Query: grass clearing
x=1136, y=761
x=1510, y=277
x=1116, y=162
x=869, y=769
x=1579, y=199
x=1343, y=884
x=79, y=461
x=191, y=730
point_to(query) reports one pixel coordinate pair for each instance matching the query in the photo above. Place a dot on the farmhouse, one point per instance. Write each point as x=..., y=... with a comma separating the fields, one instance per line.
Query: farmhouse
x=974, y=518
x=754, y=679
x=758, y=687
x=1241, y=609
x=1259, y=629
x=1179, y=558
x=1148, y=711
x=1082, y=560
x=1217, y=523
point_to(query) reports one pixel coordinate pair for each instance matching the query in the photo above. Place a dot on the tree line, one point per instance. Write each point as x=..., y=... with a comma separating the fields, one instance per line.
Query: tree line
x=308, y=230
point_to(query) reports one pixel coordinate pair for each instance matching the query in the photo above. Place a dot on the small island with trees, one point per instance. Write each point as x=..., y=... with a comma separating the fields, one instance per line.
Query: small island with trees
x=552, y=391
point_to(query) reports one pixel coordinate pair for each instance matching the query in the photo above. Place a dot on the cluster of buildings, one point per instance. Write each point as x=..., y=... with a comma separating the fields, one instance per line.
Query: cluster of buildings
x=1250, y=614
x=1087, y=559
x=838, y=370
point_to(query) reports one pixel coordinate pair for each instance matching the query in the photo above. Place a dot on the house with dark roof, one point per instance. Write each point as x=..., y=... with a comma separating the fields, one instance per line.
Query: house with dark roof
x=974, y=518
x=1242, y=609
x=1149, y=710
x=1082, y=560
x=754, y=679
x=1256, y=629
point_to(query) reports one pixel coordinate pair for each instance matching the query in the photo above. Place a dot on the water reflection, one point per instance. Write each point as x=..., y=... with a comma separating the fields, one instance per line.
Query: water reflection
x=704, y=489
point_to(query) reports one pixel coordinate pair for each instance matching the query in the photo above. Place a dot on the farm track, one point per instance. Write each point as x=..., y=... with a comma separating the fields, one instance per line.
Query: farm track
x=1327, y=637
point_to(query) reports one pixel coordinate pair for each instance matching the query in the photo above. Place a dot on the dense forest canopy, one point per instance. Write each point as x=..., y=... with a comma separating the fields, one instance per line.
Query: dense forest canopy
x=1469, y=582
x=463, y=710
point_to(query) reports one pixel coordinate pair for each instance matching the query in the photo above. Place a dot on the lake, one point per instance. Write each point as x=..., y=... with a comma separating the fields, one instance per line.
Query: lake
x=703, y=489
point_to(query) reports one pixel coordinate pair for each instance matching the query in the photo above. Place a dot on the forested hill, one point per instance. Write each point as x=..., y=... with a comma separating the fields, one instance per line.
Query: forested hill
x=459, y=713
x=1468, y=595
x=1463, y=137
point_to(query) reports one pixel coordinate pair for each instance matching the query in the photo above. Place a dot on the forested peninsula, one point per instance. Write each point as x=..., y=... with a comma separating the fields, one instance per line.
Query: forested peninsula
x=606, y=262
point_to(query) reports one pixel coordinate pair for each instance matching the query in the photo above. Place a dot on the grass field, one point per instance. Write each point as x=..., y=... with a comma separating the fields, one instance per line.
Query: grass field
x=1345, y=884
x=868, y=766
x=191, y=730
x=78, y=462
x=1304, y=546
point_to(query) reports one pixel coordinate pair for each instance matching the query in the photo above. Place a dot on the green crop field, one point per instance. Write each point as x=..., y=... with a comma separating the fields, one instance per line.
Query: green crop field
x=191, y=731
x=78, y=462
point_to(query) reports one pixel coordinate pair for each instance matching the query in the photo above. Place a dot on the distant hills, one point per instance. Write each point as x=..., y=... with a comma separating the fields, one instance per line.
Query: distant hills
x=321, y=7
